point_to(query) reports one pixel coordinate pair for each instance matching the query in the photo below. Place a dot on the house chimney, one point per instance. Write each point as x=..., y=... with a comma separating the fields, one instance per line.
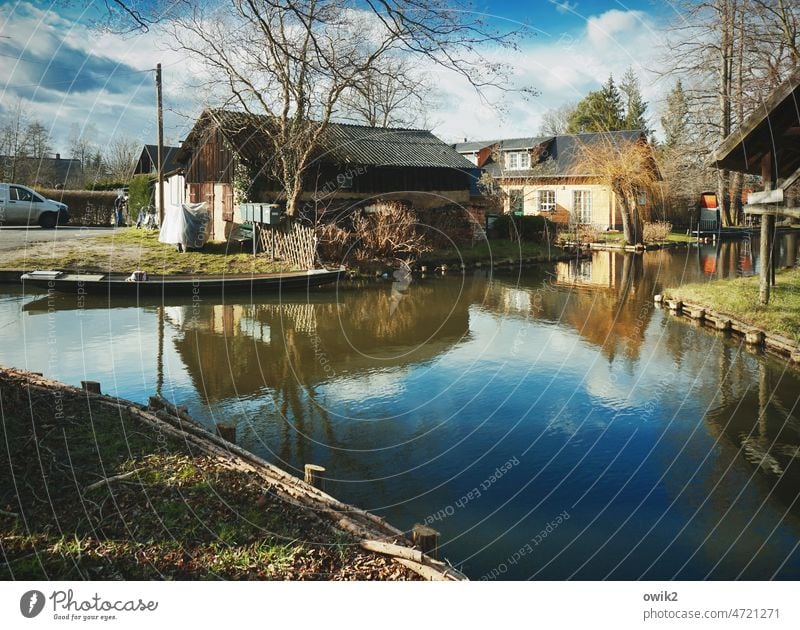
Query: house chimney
x=58, y=156
x=465, y=139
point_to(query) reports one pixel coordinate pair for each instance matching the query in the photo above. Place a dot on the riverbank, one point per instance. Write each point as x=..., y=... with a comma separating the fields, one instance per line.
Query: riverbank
x=101, y=488
x=735, y=301
x=129, y=249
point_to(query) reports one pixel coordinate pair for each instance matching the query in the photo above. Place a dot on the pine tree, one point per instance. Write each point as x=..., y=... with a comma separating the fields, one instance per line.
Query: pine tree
x=675, y=120
x=600, y=110
x=635, y=105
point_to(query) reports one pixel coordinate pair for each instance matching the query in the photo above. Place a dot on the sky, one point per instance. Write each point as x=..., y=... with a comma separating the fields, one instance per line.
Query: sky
x=69, y=75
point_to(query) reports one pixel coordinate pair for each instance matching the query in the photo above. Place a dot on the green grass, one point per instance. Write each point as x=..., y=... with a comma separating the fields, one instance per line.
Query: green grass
x=738, y=298
x=128, y=249
x=617, y=237
x=496, y=249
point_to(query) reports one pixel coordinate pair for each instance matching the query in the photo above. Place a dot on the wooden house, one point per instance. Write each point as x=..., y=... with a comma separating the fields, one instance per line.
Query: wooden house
x=355, y=165
x=768, y=144
x=541, y=176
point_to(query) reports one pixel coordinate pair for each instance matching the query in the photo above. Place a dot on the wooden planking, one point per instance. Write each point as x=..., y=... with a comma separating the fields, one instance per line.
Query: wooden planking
x=294, y=242
x=766, y=196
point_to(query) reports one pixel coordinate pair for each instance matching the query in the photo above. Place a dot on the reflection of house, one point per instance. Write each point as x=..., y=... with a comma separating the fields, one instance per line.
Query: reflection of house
x=174, y=184
x=541, y=176
x=355, y=164
x=598, y=271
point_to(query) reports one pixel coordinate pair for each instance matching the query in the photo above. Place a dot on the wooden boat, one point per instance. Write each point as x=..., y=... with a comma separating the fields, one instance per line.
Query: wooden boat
x=179, y=284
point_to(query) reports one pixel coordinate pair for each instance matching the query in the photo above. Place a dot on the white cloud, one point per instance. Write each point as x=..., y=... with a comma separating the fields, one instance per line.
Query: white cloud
x=564, y=7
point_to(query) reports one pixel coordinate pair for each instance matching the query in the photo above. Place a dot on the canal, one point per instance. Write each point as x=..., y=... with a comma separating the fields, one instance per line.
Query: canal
x=549, y=422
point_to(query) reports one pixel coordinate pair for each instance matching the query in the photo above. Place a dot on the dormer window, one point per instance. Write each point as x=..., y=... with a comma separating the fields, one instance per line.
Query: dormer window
x=518, y=160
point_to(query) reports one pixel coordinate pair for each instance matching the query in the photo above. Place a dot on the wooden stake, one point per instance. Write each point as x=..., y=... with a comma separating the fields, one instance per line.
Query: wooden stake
x=315, y=476
x=426, y=539
x=93, y=387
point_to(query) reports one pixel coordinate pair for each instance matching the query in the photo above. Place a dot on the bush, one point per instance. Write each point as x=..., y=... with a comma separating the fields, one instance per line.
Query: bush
x=86, y=207
x=657, y=232
x=140, y=193
x=534, y=229
x=446, y=226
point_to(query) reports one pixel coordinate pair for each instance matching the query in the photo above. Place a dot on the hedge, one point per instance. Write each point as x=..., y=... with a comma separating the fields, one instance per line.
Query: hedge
x=86, y=207
x=529, y=228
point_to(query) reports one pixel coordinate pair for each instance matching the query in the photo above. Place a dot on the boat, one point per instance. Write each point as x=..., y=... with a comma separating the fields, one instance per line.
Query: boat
x=139, y=283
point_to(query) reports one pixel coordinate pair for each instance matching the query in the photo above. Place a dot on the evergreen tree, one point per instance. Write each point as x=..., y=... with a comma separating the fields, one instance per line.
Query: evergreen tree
x=600, y=110
x=675, y=120
x=635, y=105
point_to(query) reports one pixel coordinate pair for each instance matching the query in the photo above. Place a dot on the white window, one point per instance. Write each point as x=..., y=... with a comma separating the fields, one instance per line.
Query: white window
x=517, y=160
x=547, y=200
x=582, y=206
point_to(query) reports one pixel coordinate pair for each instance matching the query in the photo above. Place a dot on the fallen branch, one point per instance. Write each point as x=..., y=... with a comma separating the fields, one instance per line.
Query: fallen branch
x=11, y=514
x=108, y=480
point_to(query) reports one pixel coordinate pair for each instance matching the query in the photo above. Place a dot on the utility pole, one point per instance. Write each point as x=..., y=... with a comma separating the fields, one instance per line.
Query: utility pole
x=160, y=152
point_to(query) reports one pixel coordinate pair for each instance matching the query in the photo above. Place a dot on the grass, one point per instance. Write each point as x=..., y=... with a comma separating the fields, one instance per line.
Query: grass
x=739, y=298
x=496, y=249
x=181, y=515
x=617, y=237
x=129, y=249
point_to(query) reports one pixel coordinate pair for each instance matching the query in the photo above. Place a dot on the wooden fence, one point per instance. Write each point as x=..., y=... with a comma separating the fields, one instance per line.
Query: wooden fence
x=289, y=241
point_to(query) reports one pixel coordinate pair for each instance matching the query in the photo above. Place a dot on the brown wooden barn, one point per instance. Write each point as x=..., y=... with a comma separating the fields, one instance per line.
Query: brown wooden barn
x=355, y=166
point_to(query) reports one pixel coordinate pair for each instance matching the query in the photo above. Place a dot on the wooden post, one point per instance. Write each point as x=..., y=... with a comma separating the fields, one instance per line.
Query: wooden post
x=159, y=150
x=767, y=229
x=426, y=539
x=92, y=387
x=315, y=476
x=227, y=432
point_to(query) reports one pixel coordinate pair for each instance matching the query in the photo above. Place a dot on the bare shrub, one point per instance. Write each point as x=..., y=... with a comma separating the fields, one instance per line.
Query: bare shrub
x=333, y=242
x=388, y=231
x=657, y=231
x=587, y=234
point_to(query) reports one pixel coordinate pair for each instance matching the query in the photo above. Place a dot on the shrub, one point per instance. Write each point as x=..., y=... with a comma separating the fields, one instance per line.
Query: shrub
x=587, y=234
x=445, y=226
x=388, y=231
x=657, y=232
x=140, y=193
x=86, y=207
x=527, y=228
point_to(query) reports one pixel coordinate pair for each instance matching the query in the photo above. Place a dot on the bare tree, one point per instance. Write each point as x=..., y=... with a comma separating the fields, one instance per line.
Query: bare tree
x=628, y=169
x=555, y=121
x=290, y=63
x=120, y=158
x=13, y=145
x=391, y=94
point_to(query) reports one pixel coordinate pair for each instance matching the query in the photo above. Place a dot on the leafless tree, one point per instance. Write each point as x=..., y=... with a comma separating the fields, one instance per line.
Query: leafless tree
x=555, y=121
x=13, y=145
x=290, y=63
x=392, y=94
x=120, y=158
x=628, y=169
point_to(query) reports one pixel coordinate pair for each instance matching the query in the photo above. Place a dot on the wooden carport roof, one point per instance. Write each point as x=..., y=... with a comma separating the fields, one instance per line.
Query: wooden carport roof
x=773, y=128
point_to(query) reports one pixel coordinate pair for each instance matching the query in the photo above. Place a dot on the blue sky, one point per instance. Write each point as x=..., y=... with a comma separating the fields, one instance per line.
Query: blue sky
x=65, y=74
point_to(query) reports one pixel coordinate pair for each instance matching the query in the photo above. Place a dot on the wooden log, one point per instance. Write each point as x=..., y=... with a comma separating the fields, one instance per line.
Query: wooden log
x=396, y=551
x=315, y=475
x=694, y=311
x=227, y=432
x=431, y=574
x=658, y=298
x=795, y=356
x=92, y=387
x=426, y=539
x=675, y=305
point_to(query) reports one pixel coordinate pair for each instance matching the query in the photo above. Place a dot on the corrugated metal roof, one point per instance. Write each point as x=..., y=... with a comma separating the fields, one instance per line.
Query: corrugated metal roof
x=342, y=143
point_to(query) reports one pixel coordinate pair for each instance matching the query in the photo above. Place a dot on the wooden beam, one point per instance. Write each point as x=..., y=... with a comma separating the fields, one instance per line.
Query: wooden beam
x=789, y=180
x=766, y=196
x=762, y=209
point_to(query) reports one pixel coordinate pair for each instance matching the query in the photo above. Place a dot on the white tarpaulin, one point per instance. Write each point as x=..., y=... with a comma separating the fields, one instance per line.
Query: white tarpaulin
x=185, y=225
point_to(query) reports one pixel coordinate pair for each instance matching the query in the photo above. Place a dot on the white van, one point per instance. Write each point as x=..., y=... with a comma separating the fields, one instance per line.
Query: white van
x=19, y=205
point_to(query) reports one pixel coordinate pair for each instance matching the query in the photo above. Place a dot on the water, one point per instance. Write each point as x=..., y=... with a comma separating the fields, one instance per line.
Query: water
x=550, y=423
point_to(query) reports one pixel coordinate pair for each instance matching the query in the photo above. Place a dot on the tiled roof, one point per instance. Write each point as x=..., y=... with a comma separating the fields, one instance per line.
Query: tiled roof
x=561, y=153
x=342, y=143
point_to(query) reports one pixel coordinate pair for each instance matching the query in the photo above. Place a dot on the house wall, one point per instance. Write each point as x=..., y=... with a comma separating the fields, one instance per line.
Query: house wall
x=174, y=191
x=605, y=214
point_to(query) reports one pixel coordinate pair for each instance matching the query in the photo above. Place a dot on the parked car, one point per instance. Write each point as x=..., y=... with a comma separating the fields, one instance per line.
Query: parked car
x=19, y=205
